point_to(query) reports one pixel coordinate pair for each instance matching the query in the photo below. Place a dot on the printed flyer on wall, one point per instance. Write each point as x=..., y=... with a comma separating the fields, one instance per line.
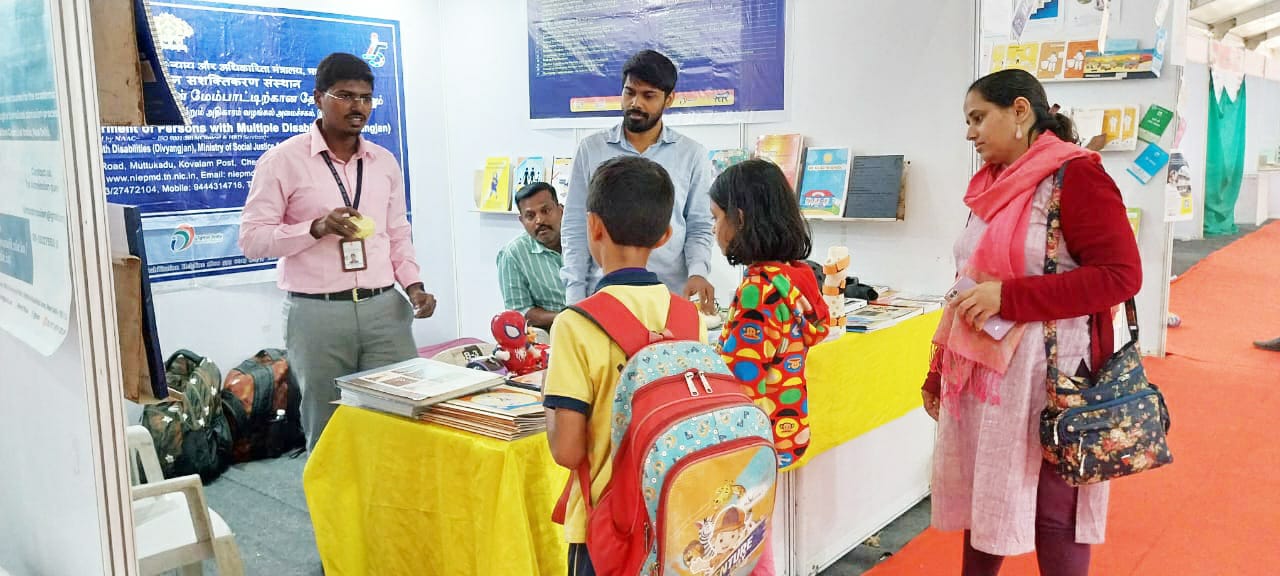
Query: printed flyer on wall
x=1178, y=205
x=35, y=260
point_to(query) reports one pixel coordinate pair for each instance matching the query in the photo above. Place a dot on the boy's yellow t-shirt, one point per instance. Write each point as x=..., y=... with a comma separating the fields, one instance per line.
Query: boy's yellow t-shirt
x=584, y=371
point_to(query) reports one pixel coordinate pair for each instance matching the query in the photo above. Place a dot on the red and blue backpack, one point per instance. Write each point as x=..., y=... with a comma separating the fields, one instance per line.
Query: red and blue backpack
x=694, y=466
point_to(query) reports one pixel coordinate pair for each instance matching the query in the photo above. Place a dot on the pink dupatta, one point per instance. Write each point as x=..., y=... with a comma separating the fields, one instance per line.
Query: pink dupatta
x=1001, y=196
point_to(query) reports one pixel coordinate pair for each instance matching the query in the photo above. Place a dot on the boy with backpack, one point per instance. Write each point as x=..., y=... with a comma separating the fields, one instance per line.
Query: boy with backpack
x=677, y=464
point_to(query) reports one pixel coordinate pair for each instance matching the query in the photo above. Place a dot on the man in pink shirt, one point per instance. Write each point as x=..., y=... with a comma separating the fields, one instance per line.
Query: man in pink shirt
x=331, y=206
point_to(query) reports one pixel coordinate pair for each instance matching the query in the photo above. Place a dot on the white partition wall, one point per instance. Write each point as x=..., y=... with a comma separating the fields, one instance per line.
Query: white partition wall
x=63, y=486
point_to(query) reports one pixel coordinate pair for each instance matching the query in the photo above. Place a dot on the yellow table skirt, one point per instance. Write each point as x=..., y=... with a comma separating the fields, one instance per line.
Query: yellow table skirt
x=389, y=495
x=863, y=381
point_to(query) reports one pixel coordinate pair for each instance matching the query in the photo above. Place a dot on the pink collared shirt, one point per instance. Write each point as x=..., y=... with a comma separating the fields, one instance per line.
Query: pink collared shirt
x=292, y=187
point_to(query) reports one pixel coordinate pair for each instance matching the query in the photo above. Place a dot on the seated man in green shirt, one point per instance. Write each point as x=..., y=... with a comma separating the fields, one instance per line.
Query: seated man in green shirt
x=529, y=266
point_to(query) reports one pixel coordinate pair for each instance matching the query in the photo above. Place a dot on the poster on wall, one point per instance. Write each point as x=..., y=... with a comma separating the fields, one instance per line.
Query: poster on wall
x=730, y=54
x=245, y=76
x=1178, y=204
x=35, y=260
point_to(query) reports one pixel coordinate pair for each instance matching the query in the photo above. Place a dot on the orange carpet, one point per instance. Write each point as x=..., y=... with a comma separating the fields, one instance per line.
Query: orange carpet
x=1216, y=509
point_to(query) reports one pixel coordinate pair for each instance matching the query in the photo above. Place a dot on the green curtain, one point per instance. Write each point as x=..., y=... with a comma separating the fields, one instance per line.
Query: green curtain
x=1224, y=162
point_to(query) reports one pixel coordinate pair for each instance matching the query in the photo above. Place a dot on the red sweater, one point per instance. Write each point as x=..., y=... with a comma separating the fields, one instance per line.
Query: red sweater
x=1098, y=237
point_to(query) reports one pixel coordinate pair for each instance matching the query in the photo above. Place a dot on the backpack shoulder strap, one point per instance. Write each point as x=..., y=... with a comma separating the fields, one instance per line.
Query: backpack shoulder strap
x=682, y=319
x=628, y=332
x=607, y=312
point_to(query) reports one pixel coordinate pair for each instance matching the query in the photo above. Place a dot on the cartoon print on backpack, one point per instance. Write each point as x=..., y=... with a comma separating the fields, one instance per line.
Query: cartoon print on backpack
x=725, y=529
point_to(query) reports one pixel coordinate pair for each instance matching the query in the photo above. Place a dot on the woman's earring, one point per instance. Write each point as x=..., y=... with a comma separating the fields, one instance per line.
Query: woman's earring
x=1017, y=133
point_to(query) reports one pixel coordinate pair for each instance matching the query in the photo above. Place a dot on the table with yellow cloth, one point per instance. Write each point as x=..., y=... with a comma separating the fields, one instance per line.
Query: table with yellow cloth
x=860, y=382
x=389, y=495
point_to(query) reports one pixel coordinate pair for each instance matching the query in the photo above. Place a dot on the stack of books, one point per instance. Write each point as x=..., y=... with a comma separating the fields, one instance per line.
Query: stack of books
x=926, y=302
x=408, y=388
x=506, y=413
x=878, y=317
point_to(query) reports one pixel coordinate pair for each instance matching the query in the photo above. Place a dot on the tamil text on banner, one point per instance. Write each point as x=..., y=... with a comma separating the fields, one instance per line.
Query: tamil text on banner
x=246, y=78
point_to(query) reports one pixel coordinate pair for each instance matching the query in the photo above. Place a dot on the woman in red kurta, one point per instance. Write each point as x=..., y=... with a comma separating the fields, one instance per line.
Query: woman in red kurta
x=989, y=477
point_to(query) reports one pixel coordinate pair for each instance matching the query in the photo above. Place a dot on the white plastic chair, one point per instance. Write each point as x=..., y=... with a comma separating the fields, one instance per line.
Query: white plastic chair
x=173, y=527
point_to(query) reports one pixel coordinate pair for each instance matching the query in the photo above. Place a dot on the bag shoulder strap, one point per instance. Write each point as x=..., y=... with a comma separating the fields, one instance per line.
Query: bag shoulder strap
x=1053, y=243
x=1052, y=240
x=628, y=332
x=581, y=475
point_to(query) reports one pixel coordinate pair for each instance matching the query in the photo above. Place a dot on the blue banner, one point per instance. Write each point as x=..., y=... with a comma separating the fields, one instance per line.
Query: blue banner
x=730, y=54
x=246, y=77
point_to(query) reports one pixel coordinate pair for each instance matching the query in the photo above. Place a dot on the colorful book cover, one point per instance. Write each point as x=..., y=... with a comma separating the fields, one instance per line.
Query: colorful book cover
x=1076, y=52
x=1154, y=123
x=1053, y=57
x=561, y=170
x=998, y=53
x=1089, y=123
x=1129, y=131
x=1111, y=123
x=1122, y=44
x=1149, y=163
x=1112, y=64
x=785, y=150
x=503, y=400
x=722, y=159
x=1023, y=57
x=528, y=170
x=494, y=194
x=1119, y=125
x=826, y=177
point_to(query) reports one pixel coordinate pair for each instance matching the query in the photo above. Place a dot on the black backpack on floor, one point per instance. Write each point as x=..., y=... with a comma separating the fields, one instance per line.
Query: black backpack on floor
x=188, y=429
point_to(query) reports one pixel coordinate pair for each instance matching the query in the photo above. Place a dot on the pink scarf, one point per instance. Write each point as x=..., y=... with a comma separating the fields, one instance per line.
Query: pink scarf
x=1001, y=196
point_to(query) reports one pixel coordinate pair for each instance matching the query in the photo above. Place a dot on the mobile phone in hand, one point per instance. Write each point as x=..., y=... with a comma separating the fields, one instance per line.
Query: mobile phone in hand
x=995, y=326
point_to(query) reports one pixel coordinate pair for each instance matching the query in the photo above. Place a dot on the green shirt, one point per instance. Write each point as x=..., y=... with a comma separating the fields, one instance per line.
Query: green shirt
x=529, y=274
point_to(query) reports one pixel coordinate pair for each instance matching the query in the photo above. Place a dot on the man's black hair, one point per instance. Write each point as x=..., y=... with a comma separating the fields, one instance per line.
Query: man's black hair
x=652, y=68
x=533, y=189
x=341, y=66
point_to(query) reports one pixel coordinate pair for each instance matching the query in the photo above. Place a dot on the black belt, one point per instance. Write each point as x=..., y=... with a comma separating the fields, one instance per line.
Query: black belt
x=352, y=295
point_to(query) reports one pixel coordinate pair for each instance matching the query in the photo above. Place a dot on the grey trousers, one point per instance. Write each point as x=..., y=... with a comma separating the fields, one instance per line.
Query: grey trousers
x=328, y=339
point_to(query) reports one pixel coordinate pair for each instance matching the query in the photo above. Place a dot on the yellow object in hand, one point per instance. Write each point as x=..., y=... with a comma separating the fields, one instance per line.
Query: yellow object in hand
x=364, y=226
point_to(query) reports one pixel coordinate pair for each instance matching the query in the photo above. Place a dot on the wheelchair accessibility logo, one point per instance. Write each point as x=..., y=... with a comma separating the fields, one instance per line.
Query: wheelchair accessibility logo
x=376, y=53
